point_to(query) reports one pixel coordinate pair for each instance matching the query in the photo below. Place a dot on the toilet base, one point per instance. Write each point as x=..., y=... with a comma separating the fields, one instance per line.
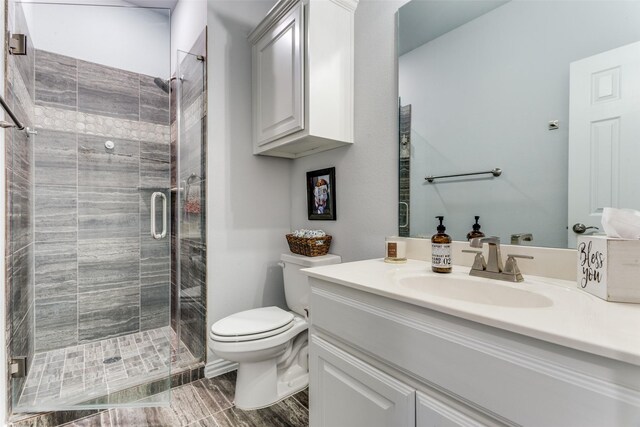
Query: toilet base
x=261, y=384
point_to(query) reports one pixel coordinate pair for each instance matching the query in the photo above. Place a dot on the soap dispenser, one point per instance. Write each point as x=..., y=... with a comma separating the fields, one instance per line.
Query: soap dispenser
x=476, y=230
x=441, y=250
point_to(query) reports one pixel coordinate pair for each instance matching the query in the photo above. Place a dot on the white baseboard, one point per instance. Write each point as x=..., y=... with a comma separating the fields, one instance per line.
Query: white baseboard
x=219, y=367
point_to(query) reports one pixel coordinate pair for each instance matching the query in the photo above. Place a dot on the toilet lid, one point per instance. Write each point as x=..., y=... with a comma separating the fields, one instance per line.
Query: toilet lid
x=253, y=322
x=243, y=338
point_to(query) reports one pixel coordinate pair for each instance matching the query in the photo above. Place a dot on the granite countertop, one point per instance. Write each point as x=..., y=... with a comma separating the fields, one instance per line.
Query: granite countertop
x=564, y=315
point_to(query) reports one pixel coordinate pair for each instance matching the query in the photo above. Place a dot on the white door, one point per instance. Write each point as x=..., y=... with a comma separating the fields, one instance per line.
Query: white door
x=604, y=136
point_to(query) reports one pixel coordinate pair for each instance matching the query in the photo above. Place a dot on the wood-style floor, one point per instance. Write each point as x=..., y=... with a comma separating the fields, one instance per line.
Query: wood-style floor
x=205, y=403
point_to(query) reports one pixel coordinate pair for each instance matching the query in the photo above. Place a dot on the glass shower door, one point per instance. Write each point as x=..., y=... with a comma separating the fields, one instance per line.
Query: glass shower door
x=191, y=203
x=93, y=253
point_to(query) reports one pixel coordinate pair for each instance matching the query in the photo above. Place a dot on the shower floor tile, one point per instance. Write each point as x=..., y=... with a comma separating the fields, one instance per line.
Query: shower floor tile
x=80, y=373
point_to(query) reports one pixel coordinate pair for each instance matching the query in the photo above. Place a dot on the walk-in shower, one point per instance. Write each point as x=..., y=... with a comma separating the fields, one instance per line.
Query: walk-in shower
x=105, y=263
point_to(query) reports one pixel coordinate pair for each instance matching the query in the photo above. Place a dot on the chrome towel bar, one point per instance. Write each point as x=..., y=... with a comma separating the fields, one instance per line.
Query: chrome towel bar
x=494, y=172
x=15, y=120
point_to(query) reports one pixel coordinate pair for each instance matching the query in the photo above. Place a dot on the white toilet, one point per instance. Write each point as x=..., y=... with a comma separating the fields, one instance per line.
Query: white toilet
x=271, y=344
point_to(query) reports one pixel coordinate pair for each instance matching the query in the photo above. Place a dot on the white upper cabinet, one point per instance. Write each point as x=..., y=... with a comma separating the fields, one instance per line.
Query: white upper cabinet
x=302, y=91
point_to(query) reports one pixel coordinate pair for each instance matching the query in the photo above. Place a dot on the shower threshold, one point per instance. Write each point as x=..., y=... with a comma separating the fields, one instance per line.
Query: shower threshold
x=89, y=374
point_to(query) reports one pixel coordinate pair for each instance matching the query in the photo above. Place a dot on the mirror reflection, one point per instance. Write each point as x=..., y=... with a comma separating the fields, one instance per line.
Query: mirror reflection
x=546, y=91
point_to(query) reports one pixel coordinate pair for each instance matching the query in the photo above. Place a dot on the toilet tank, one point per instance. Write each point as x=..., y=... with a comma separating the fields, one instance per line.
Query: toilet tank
x=296, y=285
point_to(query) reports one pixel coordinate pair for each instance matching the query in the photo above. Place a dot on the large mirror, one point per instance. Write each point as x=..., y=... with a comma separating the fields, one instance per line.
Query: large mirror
x=546, y=91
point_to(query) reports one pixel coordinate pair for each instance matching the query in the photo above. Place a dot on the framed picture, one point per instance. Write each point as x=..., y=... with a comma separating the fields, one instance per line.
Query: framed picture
x=321, y=194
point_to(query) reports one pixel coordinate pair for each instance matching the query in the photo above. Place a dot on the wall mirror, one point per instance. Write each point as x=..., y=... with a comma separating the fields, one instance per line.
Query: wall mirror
x=546, y=91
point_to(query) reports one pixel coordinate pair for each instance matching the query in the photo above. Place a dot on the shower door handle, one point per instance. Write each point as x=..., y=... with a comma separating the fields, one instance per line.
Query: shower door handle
x=154, y=232
x=406, y=223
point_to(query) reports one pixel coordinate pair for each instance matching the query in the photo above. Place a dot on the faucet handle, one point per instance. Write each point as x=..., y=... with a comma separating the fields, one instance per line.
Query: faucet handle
x=478, y=263
x=511, y=266
x=519, y=256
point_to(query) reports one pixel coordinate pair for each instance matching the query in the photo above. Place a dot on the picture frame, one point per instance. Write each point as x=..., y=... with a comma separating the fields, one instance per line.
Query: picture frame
x=321, y=194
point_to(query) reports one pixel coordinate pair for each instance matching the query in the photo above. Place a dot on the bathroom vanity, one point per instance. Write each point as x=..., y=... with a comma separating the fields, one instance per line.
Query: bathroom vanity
x=398, y=345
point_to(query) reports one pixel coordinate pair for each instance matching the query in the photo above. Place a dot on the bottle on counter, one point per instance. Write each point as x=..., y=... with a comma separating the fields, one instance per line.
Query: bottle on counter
x=476, y=230
x=441, y=250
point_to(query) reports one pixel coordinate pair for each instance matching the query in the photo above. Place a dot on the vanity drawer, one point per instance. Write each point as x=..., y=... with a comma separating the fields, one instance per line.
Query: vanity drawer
x=347, y=392
x=508, y=376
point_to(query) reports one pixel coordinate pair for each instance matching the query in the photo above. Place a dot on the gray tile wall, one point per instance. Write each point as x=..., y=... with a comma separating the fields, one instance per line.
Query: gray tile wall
x=19, y=159
x=98, y=274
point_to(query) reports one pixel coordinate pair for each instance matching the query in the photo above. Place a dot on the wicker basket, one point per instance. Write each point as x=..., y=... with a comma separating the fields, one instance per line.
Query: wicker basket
x=309, y=246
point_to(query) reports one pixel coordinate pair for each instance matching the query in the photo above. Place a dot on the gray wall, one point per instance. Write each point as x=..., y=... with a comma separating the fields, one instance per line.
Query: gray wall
x=367, y=172
x=248, y=202
x=255, y=200
x=481, y=97
x=98, y=272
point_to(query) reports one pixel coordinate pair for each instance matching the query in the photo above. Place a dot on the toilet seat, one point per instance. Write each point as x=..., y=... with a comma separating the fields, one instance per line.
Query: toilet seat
x=251, y=325
x=240, y=338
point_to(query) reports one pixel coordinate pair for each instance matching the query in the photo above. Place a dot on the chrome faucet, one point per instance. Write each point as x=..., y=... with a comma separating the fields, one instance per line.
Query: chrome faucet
x=493, y=269
x=494, y=265
x=517, y=239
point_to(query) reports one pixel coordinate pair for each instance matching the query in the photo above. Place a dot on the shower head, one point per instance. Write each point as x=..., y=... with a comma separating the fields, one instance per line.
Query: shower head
x=162, y=84
x=165, y=85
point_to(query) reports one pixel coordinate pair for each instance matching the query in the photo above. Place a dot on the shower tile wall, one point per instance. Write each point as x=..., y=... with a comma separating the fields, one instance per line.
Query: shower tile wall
x=19, y=255
x=98, y=272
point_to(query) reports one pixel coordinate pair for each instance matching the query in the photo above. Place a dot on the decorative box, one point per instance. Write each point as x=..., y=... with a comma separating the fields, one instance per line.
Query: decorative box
x=609, y=268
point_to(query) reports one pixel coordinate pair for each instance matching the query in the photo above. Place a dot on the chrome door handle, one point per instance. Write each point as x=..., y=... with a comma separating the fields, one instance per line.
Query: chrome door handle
x=581, y=228
x=154, y=233
x=406, y=224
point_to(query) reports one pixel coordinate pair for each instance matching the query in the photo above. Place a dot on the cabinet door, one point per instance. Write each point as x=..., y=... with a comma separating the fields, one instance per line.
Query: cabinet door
x=431, y=412
x=278, y=79
x=347, y=392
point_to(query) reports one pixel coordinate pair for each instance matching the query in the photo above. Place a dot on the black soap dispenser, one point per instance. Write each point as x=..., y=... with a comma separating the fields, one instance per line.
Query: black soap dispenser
x=441, y=250
x=476, y=230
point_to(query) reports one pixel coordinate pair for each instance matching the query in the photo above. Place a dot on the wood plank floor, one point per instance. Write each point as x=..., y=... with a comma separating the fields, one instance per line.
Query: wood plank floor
x=205, y=403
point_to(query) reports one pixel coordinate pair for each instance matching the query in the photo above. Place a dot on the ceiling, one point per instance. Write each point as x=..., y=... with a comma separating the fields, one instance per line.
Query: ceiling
x=159, y=4
x=162, y=4
x=420, y=21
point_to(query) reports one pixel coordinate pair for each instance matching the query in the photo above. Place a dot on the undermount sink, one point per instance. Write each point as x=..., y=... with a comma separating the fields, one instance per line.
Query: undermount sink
x=476, y=291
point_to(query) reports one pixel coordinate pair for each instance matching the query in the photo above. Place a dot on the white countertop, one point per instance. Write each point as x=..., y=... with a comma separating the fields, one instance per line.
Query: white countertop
x=575, y=319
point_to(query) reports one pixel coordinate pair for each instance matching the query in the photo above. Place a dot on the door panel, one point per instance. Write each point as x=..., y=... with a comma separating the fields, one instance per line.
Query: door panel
x=279, y=79
x=604, y=130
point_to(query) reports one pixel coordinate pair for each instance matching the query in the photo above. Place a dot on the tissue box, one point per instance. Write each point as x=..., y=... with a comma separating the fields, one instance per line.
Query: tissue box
x=609, y=268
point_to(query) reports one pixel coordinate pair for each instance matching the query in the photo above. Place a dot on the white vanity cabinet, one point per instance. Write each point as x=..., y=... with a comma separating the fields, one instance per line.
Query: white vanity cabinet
x=302, y=66
x=377, y=361
x=350, y=392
